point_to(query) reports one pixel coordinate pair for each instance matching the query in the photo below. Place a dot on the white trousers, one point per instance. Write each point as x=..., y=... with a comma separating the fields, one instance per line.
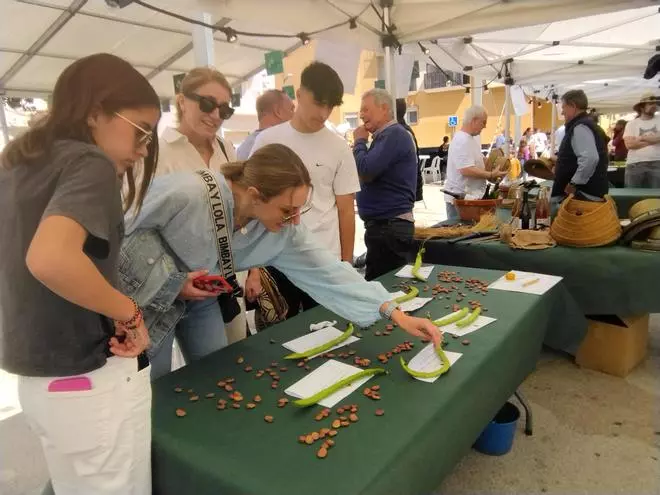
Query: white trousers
x=96, y=441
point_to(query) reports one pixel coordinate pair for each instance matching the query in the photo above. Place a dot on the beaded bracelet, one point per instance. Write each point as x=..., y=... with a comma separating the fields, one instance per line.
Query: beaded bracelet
x=135, y=320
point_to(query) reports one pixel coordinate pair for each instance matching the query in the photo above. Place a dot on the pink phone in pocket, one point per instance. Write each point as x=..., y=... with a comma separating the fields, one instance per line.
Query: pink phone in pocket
x=70, y=384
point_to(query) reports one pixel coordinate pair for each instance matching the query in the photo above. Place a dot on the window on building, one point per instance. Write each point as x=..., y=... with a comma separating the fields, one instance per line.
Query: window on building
x=352, y=119
x=412, y=115
x=436, y=78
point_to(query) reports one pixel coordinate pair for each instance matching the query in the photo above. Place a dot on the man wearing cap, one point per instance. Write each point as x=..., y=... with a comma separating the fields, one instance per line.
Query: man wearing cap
x=642, y=138
x=581, y=167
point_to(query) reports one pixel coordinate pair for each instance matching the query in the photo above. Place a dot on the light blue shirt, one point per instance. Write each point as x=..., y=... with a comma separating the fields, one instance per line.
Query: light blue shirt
x=245, y=149
x=176, y=207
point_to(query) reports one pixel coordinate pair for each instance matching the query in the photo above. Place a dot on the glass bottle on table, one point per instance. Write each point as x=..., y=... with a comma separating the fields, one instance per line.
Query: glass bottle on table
x=525, y=212
x=542, y=213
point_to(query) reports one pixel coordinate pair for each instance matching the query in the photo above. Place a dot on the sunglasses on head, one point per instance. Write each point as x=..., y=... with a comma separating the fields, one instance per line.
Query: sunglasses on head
x=208, y=105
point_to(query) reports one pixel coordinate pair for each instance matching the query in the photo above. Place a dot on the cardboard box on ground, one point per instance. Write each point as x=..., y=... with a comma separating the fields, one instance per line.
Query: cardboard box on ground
x=614, y=345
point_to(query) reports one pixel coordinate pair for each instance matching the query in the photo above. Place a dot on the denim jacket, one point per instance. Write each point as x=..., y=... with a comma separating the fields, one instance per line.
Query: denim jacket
x=174, y=234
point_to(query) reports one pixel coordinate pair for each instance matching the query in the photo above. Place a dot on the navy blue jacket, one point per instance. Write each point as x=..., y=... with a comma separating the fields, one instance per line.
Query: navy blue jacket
x=388, y=173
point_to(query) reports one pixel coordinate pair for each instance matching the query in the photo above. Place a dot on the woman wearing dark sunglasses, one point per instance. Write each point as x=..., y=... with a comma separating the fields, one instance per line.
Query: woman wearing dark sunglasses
x=74, y=339
x=202, y=105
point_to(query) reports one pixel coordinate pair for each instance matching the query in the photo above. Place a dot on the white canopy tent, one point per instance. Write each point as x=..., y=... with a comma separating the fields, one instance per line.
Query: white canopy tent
x=38, y=38
x=605, y=55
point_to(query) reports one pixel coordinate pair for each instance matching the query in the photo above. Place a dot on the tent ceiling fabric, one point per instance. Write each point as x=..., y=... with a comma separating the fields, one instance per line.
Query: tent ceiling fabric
x=159, y=46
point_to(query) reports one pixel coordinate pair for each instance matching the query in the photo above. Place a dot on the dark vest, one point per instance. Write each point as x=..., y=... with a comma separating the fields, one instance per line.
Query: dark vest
x=567, y=164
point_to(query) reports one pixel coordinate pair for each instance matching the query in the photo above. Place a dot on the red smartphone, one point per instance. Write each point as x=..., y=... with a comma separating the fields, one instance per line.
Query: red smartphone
x=218, y=283
x=70, y=384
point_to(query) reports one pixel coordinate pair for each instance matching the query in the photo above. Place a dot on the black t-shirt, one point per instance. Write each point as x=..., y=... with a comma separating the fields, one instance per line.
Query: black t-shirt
x=42, y=334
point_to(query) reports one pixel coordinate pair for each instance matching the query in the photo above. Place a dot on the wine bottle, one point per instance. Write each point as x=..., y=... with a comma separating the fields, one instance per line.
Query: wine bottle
x=542, y=214
x=525, y=212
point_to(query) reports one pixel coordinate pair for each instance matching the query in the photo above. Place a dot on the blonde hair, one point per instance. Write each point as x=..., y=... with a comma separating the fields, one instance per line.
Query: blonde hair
x=198, y=77
x=272, y=170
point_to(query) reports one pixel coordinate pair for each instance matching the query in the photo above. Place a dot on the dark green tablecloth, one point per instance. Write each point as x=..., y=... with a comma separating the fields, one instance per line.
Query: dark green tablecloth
x=608, y=280
x=625, y=197
x=426, y=428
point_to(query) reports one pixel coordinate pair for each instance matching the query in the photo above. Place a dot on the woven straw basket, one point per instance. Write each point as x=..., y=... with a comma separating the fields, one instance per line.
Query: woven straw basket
x=586, y=223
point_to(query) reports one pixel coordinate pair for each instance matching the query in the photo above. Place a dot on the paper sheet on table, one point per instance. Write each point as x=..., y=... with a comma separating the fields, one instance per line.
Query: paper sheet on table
x=480, y=322
x=317, y=338
x=544, y=284
x=406, y=271
x=428, y=360
x=413, y=304
x=323, y=377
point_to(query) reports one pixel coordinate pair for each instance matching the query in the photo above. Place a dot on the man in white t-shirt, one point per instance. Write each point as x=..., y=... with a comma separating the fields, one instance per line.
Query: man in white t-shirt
x=642, y=138
x=466, y=174
x=330, y=164
x=540, y=140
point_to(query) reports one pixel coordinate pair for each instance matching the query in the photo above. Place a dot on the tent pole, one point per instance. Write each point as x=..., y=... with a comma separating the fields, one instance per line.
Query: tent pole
x=203, y=48
x=390, y=84
x=476, y=90
x=3, y=123
x=553, y=126
x=507, y=119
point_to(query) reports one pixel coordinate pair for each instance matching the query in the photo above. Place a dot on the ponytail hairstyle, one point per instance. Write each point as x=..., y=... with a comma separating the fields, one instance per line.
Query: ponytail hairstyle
x=272, y=170
x=98, y=81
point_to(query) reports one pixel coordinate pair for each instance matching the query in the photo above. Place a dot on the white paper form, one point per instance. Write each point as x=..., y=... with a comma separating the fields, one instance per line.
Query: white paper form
x=406, y=271
x=325, y=376
x=480, y=322
x=427, y=360
x=527, y=282
x=317, y=338
x=413, y=304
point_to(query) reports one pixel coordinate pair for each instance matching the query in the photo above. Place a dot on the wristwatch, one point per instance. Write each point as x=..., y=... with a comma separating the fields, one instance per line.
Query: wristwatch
x=386, y=312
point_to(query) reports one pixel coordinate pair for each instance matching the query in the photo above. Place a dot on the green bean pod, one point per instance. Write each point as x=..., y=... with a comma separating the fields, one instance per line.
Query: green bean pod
x=448, y=320
x=418, y=264
x=313, y=399
x=412, y=294
x=470, y=319
x=323, y=347
x=429, y=374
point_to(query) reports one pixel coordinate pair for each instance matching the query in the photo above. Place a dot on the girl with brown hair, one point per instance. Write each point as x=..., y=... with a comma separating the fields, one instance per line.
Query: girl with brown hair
x=258, y=203
x=73, y=338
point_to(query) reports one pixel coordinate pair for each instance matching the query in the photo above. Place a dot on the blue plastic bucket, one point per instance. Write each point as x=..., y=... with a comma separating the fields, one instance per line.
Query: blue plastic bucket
x=497, y=437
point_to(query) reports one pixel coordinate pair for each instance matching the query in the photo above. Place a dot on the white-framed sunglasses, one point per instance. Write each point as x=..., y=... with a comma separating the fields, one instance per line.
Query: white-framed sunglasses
x=301, y=211
x=144, y=138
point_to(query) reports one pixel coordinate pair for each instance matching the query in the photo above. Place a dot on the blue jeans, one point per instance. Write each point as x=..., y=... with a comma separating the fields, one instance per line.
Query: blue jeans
x=200, y=332
x=452, y=212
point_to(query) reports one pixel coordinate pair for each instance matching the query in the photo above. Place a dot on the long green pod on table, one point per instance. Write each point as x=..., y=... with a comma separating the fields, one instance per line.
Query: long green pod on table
x=313, y=399
x=418, y=264
x=324, y=347
x=429, y=374
x=412, y=294
x=469, y=319
x=452, y=318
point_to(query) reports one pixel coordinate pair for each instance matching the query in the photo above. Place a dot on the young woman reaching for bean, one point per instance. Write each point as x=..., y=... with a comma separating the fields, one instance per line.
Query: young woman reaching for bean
x=263, y=198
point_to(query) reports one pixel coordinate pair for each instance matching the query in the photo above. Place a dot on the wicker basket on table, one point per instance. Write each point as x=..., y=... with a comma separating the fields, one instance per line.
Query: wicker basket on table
x=586, y=223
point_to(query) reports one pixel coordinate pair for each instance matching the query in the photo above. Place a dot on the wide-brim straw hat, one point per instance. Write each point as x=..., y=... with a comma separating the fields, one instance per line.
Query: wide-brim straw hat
x=493, y=156
x=644, y=222
x=646, y=98
x=541, y=167
x=586, y=223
